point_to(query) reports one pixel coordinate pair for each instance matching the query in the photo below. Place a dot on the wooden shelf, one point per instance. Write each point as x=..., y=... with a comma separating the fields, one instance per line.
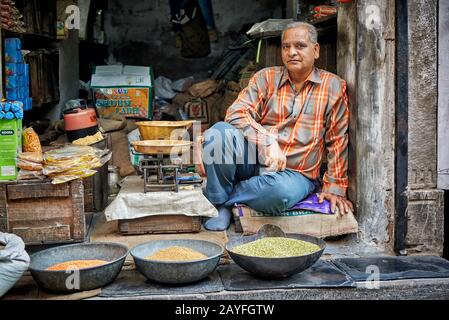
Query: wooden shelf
x=29, y=36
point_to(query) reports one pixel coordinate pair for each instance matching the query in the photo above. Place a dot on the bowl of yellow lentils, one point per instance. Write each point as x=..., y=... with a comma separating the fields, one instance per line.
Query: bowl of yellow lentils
x=177, y=261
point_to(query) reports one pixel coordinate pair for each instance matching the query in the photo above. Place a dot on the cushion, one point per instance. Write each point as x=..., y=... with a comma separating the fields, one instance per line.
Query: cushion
x=309, y=223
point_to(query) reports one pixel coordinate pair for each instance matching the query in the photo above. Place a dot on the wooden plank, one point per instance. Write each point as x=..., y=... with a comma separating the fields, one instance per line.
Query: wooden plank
x=44, y=208
x=79, y=221
x=40, y=223
x=3, y=202
x=4, y=225
x=443, y=103
x=40, y=190
x=346, y=69
x=376, y=121
x=161, y=225
x=88, y=194
x=48, y=234
x=3, y=209
x=292, y=7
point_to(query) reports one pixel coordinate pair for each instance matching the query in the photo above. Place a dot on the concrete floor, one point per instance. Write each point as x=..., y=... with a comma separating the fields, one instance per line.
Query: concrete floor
x=428, y=289
x=347, y=247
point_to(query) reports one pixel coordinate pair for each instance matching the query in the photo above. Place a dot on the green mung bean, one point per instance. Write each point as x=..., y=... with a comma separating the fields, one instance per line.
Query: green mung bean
x=277, y=248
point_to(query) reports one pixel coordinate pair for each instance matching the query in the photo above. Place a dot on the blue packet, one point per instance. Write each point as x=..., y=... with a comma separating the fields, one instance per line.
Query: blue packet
x=29, y=104
x=13, y=47
x=9, y=116
x=25, y=92
x=2, y=115
x=17, y=106
x=14, y=82
x=26, y=72
x=13, y=94
x=19, y=115
x=12, y=69
x=7, y=106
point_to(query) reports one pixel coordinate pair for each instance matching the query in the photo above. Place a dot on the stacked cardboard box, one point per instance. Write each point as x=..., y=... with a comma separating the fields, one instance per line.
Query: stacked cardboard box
x=17, y=74
x=11, y=146
x=124, y=90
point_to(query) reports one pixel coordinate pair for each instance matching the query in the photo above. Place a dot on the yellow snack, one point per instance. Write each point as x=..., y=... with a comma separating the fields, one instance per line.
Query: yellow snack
x=31, y=142
x=90, y=140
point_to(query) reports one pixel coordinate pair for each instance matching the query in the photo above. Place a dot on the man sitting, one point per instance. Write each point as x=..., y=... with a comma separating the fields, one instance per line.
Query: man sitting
x=268, y=153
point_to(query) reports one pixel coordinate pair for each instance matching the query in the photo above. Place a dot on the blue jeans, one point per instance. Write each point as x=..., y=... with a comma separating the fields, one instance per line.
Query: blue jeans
x=239, y=182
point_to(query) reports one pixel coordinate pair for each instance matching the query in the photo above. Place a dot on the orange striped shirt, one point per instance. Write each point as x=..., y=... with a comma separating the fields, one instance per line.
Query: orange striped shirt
x=305, y=123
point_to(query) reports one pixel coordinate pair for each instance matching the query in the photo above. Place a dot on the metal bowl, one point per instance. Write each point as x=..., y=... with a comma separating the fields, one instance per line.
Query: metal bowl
x=164, y=130
x=274, y=268
x=89, y=279
x=164, y=147
x=176, y=273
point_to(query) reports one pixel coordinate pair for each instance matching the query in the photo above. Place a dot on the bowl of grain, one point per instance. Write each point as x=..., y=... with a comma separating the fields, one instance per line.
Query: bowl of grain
x=78, y=267
x=177, y=262
x=276, y=257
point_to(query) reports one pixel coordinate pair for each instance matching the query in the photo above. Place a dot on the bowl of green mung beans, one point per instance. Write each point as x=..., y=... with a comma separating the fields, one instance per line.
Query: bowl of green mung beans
x=276, y=257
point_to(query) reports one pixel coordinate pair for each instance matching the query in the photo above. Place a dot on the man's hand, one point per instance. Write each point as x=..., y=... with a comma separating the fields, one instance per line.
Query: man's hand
x=344, y=206
x=276, y=160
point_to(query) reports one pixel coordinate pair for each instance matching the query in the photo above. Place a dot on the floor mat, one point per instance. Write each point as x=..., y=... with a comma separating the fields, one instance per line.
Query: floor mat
x=103, y=231
x=322, y=275
x=133, y=284
x=395, y=268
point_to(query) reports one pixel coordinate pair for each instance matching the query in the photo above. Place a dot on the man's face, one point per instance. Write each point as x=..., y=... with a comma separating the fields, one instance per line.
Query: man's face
x=298, y=52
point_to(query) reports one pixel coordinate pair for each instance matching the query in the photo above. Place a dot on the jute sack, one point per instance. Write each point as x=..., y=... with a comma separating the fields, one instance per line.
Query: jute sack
x=308, y=223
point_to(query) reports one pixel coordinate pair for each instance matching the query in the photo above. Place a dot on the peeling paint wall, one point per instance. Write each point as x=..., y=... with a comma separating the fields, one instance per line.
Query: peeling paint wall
x=142, y=34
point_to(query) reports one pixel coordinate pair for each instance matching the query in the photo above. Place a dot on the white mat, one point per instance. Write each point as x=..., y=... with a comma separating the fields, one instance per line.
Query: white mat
x=132, y=203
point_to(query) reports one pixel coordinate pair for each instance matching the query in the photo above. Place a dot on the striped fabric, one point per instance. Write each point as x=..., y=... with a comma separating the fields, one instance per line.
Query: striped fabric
x=305, y=122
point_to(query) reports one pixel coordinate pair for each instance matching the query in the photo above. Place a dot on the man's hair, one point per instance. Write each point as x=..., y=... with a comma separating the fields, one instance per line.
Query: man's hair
x=313, y=33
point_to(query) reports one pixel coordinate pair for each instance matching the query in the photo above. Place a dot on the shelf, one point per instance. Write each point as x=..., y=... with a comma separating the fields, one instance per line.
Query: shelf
x=29, y=36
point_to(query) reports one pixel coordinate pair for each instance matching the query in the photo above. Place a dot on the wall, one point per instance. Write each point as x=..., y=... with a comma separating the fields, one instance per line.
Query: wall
x=425, y=229
x=443, y=108
x=366, y=60
x=68, y=74
x=142, y=34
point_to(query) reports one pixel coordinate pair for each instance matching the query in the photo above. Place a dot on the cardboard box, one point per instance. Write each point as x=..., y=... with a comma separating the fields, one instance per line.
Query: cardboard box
x=13, y=82
x=11, y=142
x=124, y=90
x=15, y=69
x=13, y=52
